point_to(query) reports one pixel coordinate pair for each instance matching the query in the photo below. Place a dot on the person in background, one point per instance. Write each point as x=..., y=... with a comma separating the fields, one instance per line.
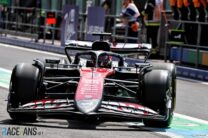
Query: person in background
x=207, y=11
x=173, y=4
x=201, y=6
x=152, y=22
x=106, y=5
x=183, y=9
x=206, y=26
x=2, y=16
x=1, y=20
x=188, y=13
x=131, y=17
x=192, y=11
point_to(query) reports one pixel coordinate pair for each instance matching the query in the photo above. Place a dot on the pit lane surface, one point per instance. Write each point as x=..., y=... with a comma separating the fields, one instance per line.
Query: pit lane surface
x=191, y=100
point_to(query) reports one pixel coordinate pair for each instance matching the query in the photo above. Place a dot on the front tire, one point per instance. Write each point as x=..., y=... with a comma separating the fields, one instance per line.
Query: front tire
x=157, y=95
x=23, y=89
x=172, y=69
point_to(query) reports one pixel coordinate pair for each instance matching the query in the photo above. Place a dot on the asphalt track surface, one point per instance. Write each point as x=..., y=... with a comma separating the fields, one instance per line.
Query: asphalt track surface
x=192, y=100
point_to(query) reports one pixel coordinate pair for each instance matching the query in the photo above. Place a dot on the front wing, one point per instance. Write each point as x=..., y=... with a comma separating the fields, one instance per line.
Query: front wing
x=66, y=109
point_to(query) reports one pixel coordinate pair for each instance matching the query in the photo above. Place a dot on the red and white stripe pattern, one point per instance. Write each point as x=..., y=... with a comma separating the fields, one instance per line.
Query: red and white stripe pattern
x=128, y=108
x=48, y=104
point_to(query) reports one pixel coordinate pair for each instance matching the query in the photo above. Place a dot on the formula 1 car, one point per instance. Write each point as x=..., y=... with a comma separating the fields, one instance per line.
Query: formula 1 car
x=94, y=85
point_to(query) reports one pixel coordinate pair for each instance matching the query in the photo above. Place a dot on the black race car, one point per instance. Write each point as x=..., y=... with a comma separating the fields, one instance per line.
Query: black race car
x=96, y=85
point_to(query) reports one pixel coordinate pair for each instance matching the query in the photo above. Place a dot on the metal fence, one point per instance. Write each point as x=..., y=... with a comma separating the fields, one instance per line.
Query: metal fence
x=31, y=23
x=28, y=22
x=198, y=35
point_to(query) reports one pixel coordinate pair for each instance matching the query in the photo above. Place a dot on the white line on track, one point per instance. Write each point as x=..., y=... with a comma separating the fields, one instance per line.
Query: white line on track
x=5, y=70
x=4, y=86
x=32, y=50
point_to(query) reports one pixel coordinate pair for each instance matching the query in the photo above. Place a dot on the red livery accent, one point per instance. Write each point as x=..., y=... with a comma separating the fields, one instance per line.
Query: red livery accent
x=43, y=102
x=48, y=104
x=91, y=83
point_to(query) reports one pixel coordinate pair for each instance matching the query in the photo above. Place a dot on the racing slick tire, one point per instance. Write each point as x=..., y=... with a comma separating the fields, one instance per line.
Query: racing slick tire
x=157, y=95
x=172, y=69
x=23, y=89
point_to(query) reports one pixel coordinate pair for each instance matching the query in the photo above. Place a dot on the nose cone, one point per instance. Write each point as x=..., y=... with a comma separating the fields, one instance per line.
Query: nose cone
x=89, y=92
x=87, y=106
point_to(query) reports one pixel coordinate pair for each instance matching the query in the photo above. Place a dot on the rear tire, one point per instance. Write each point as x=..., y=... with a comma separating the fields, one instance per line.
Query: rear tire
x=23, y=89
x=156, y=92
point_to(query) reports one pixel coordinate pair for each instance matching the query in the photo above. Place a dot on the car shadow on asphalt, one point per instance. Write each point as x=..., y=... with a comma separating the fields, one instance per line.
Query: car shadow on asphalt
x=113, y=126
x=82, y=125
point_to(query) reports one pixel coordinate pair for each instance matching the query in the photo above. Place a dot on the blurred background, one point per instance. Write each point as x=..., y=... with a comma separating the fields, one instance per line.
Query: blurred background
x=175, y=28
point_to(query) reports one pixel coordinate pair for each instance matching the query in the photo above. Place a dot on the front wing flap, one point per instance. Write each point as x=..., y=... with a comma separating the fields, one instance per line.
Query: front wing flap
x=66, y=108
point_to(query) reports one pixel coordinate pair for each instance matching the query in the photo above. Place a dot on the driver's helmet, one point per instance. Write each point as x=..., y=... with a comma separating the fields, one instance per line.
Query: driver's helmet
x=105, y=61
x=91, y=62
